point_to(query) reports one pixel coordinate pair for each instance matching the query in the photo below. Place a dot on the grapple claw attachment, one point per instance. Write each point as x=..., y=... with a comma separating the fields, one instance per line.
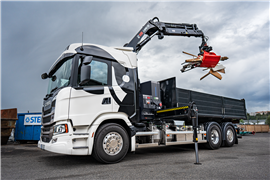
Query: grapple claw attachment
x=209, y=60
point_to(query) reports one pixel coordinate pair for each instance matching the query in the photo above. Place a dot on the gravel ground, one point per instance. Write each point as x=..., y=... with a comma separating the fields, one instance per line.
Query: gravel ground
x=249, y=159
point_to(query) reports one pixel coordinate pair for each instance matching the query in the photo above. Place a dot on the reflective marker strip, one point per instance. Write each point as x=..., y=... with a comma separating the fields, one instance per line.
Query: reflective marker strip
x=93, y=134
x=66, y=128
x=173, y=109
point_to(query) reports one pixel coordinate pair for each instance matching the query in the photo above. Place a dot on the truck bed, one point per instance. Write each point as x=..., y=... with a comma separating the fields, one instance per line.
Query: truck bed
x=209, y=106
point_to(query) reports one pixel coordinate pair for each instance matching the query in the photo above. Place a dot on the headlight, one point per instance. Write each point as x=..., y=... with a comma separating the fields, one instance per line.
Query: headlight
x=59, y=129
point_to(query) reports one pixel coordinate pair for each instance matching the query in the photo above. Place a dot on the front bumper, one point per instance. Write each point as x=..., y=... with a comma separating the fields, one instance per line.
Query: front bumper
x=61, y=147
x=68, y=144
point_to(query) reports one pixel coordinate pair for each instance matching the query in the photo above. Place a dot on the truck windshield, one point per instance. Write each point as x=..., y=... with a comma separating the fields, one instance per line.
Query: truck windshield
x=61, y=76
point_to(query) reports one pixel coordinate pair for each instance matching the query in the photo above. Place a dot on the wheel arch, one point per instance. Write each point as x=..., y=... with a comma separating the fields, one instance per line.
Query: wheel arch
x=110, y=117
x=116, y=121
x=117, y=118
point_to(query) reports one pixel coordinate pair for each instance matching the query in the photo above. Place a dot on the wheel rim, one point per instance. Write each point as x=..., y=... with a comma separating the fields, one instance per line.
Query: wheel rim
x=112, y=143
x=230, y=135
x=214, y=136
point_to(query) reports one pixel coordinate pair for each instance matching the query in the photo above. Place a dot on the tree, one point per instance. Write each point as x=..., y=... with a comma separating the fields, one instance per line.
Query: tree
x=248, y=116
x=242, y=121
x=268, y=120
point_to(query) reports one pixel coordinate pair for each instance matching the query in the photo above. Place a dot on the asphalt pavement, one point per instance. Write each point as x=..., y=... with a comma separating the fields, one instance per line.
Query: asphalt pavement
x=250, y=159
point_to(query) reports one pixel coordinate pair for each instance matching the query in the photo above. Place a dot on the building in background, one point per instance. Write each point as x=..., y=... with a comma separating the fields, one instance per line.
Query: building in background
x=259, y=112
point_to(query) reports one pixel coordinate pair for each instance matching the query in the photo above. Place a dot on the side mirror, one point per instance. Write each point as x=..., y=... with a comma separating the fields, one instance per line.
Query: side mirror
x=87, y=60
x=54, y=77
x=44, y=76
x=85, y=74
x=86, y=70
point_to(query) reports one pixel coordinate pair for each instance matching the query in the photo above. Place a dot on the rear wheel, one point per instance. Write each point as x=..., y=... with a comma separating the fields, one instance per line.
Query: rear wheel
x=229, y=136
x=214, y=137
x=111, y=143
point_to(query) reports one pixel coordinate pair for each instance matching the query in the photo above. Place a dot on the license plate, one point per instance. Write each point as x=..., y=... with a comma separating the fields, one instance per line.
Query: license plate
x=42, y=146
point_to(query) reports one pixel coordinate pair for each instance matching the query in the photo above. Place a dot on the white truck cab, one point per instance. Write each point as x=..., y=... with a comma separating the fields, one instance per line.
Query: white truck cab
x=74, y=108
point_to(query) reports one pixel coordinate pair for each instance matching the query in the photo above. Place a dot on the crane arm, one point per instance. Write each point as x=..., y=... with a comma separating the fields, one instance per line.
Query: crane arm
x=155, y=27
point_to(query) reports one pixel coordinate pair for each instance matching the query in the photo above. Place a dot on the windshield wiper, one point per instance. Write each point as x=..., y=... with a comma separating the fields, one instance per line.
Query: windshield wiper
x=53, y=89
x=49, y=95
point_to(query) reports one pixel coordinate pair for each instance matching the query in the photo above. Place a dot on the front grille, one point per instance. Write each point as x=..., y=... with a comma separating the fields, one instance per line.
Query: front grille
x=47, y=133
x=47, y=130
x=46, y=139
x=47, y=112
x=46, y=119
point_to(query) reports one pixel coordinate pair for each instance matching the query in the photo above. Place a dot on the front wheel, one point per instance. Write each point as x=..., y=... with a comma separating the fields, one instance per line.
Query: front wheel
x=111, y=143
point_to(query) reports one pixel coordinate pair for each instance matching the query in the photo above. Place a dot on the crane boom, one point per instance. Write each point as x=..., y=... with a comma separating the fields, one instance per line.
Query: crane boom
x=155, y=27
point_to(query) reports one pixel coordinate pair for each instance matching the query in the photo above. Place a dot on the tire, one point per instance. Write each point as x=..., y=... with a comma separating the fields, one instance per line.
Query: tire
x=214, y=138
x=111, y=143
x=230, y=136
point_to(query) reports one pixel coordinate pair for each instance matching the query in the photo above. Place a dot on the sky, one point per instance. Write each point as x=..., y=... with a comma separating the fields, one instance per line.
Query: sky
x=34, y=34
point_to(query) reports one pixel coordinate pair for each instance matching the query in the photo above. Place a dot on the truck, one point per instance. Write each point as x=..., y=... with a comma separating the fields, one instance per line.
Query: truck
x=96, y=105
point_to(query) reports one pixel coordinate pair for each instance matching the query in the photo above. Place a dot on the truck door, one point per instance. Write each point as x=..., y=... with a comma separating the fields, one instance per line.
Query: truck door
x=92, y=99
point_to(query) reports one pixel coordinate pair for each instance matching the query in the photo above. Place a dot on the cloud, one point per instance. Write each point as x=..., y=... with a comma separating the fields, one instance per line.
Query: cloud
x=34, y=34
